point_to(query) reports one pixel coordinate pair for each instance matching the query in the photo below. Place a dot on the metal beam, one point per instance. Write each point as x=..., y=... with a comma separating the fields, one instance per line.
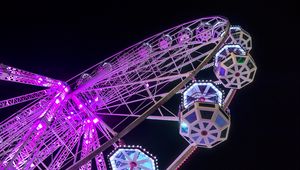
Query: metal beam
x=23, y=98
x=168, y=118
x=182, y=157
x=12, y=74
x=229, y=98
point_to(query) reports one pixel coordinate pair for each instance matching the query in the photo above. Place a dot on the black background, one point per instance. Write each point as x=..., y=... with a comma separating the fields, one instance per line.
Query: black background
x=60, y=40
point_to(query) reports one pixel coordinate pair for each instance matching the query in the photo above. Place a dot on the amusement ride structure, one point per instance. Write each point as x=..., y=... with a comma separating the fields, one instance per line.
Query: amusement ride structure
x=79, y=123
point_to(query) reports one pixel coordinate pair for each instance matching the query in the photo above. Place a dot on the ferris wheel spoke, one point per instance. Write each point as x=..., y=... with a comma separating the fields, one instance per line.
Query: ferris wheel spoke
x=167, y=118
x=100, y=161
x=137, y=108
x=25, y=113
x=18, y=128
x=63, y=134
x=12, y=74
x=63, y=153
x=144, y=82
x=51, y=144
x=28, y=145
x=104, y=128
x=23, y=98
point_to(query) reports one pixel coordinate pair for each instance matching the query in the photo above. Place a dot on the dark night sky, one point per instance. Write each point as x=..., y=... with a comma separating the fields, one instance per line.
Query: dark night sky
x=61, y=40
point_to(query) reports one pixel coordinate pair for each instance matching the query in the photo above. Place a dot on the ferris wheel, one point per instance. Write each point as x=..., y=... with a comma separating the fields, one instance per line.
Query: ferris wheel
x=72, y=124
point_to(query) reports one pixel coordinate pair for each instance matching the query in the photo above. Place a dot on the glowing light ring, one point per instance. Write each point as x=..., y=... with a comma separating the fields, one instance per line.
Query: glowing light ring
x=210, y=93
x=132, y=157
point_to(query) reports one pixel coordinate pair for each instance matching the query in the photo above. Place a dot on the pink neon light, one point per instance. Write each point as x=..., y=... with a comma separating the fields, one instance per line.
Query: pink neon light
x=40, y=80
x=95, y=120
x=80, y=106
x=40, y=126
x=96, y=99
x=57, y=101
x=66, y=89
x=88, y=121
